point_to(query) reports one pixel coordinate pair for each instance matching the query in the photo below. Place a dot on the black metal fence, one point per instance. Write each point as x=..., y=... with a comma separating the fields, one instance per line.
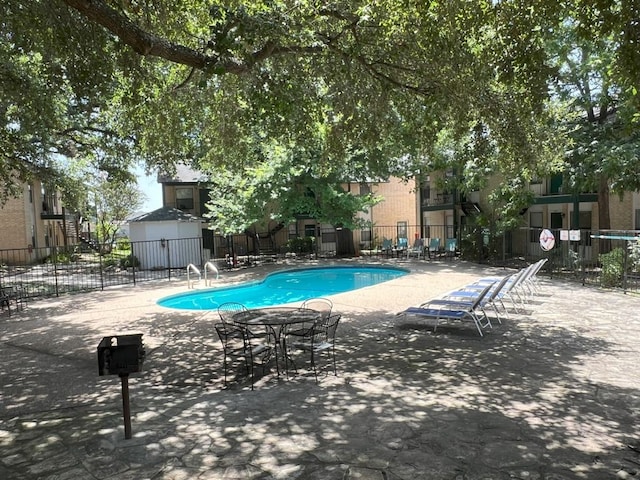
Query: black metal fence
x=52, y=271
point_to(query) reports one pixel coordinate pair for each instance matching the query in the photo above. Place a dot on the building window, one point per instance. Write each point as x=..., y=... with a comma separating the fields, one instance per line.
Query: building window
x=365, y=189
x=328, y=235
x=30, y=194
x=184, y=198
x=310, y=230
x=293, y=230
x=402, y=229
x=425, y=193
x=637, y=227
x=365, y=235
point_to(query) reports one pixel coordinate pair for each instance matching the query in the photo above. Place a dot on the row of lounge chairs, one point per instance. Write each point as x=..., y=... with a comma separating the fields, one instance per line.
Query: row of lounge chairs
x=471, y=302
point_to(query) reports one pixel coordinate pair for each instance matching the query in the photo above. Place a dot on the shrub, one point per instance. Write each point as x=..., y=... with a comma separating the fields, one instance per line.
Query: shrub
x=612, y=268
x=109, y=262
x=129, y=261
x=123, y=243
x=301, y=245
x=634, y=254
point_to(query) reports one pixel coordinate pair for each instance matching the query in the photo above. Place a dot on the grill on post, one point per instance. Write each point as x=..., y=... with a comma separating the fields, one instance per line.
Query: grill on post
x=122, y=355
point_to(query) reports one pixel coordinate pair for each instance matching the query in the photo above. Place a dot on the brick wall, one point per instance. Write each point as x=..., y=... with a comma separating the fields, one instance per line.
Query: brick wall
x=621, y=211
x=15, y=228
x=400, y=203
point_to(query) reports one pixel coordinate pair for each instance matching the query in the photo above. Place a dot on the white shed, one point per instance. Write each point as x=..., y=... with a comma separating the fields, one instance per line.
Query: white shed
x=167, y=238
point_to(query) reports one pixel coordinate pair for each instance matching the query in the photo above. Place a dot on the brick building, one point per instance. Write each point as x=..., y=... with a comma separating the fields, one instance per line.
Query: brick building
x=398, y=214
x=35, y=220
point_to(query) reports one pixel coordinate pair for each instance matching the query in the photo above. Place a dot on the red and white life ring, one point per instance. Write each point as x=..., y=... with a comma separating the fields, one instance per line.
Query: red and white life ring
x=547, y=240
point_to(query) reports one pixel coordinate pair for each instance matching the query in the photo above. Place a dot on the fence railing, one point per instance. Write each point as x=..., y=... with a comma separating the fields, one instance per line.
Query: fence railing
x=52, y=271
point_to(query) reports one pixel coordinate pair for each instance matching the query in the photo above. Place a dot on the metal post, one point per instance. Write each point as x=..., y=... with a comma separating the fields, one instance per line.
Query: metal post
x=624, y=266
x=168, y=261
x=126, y=410
x=55, y=268
x=133, y=262
x=100, y=247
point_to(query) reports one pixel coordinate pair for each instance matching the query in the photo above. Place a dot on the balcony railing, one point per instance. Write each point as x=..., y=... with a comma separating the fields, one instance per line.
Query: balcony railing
x=439, y=199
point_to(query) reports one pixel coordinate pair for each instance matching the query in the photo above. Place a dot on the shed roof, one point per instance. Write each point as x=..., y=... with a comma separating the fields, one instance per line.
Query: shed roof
x=166, y=214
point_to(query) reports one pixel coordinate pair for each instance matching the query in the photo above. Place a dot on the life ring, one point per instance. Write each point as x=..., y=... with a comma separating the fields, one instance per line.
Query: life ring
x=547, y=240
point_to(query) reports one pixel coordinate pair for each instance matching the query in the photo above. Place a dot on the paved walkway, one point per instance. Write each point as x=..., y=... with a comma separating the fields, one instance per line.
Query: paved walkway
x=553, y=394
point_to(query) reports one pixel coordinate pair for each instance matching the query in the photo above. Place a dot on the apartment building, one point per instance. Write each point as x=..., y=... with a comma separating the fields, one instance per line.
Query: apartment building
x=186, y=190
x=552, y=208
x=35, y=220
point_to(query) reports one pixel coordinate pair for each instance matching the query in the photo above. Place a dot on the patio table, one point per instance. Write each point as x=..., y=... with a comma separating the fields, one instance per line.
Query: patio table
x=277, y=319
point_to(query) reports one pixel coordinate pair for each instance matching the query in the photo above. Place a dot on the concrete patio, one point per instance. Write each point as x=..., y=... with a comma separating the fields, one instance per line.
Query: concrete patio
x=551, y=394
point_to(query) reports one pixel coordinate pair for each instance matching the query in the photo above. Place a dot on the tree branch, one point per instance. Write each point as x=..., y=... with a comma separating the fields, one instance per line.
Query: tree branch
x=148, y=44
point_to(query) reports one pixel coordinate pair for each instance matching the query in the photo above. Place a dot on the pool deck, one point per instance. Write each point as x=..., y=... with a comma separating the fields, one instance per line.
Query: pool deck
x=550, y=394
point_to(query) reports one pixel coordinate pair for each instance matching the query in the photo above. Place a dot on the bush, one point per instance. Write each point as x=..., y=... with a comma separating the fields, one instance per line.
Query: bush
x=110, y=262
x=123, y=243
x=301, y=245
x=634, y=254
x=612, y=268
x=62, y=258
x=129, y=261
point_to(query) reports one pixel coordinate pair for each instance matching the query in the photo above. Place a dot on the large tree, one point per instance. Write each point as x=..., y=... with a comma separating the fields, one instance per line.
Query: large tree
x=599, y=114
x=112, y=82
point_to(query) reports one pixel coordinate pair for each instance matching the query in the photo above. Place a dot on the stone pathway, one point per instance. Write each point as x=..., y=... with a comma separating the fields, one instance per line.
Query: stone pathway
x=551, y=394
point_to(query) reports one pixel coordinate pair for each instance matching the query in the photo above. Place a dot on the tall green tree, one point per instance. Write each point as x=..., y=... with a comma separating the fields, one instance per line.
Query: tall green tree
x=112, y=82
x=600, y=115
x=114, y=202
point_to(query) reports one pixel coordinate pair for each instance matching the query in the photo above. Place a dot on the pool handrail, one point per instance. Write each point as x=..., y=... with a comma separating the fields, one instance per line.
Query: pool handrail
x=210, y=266
x=196, y=270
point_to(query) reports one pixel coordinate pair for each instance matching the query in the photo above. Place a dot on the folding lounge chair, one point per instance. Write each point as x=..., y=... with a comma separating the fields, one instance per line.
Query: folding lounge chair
x=508, y=290
x=454, y=311
x=468, y=294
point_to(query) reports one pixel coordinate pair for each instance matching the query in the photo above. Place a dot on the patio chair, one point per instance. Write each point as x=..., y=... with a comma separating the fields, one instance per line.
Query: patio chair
x=227, y=310
x=455, y=311
x=434, y=247
x=9, y=295
x=387, y=247
x=417, y=249
x=233, y=346
x=450, y=247
x=238, y=345
x=318, y=339
x=402, y=245
x=319, y=304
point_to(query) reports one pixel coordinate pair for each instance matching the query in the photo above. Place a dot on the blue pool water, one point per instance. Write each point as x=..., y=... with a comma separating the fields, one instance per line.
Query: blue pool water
x=285, y=287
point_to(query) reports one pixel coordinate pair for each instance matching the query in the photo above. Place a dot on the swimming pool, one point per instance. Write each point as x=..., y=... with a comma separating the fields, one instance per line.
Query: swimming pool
x=286, y=286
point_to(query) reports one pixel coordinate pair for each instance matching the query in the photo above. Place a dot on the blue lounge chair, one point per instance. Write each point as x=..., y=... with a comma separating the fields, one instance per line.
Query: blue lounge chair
x=463, y=311
x=434, y=247
x=468, y=294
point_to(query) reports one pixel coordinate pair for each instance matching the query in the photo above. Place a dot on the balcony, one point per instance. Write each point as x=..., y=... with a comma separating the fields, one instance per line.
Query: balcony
x=441, y=201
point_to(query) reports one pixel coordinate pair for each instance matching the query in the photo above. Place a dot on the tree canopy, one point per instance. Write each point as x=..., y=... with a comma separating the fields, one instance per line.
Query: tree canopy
x=367, y=86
